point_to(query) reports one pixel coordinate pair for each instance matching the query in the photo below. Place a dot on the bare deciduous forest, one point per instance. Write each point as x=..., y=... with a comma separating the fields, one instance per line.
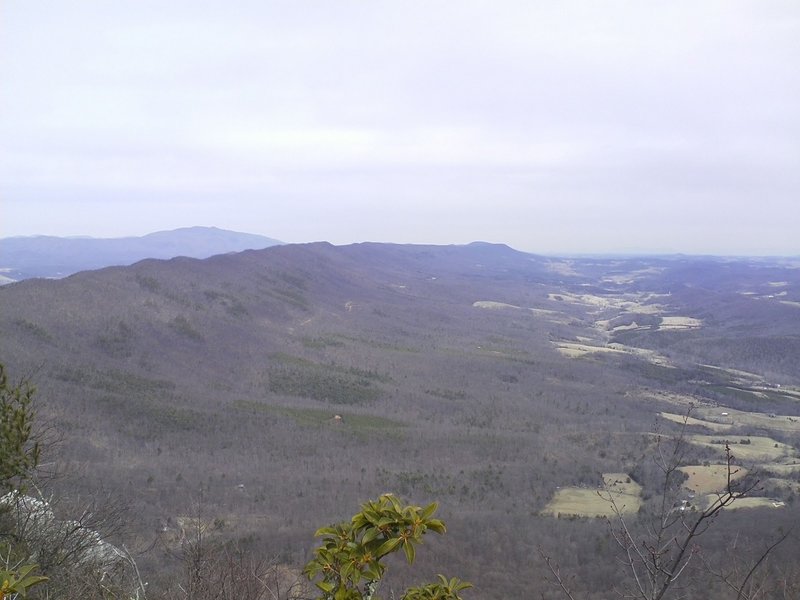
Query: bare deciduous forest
x=245, y=400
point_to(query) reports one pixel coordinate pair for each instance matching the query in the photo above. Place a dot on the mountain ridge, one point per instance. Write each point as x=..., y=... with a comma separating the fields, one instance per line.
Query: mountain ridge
x=26, y=257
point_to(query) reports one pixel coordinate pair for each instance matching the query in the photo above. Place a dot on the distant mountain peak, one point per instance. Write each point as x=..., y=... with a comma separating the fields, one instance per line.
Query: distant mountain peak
x=481, y=244
x=54, y=257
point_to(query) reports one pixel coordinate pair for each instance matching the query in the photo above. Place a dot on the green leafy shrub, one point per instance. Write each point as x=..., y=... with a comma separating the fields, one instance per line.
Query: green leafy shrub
x=348, y=565
x=15, y=584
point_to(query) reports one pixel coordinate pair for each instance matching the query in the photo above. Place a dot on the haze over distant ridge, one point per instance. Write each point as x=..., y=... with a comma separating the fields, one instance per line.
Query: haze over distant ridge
x=49, y=256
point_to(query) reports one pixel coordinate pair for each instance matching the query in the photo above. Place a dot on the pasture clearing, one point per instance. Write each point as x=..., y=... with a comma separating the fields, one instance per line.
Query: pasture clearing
x=787, y=485
x=577, y=350
x=491, y=304
x=590, y=502
x=752, y=502
x=624, y=302
x=682, y=400
x=692, y=421
x=546, y=312
x=739, y=376
x=785, y=469
x=632, y=327
x=793, y=394
x=650, y=356
x=736, y=418
x=711, y=478
x=679, y=323
x=754, y=449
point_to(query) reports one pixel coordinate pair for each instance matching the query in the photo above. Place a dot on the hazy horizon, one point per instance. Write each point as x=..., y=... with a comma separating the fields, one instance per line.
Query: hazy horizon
x=561, y=129
x=589, y=254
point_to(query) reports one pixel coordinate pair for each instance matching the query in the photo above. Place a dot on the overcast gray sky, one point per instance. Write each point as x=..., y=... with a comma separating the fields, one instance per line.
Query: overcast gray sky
x=638, y=126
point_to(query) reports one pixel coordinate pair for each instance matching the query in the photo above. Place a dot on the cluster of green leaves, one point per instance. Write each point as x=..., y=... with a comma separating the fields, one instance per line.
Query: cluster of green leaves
x=19, y=451
x=16, y=584
x=443, y=589
x=348, y=563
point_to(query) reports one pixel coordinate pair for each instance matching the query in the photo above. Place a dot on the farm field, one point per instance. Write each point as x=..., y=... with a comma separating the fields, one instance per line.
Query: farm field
x=675, y=322
x=748, y=503
x=583, y=502
x=711, y=417
x=681, y=419
x=704, y=479
x=754, y=449
x=628, y=302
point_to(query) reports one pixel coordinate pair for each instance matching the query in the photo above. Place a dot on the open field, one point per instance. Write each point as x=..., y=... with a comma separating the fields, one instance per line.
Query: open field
x=631, y=327
x=788, y=469
x=725, y=419
x=788, y=485
x=543, y=312
x=693, y=421
x=493, y=305
x=631, y=302
x=679, y=323
x=753, y=502
x=578, y=350
x=713, y=418
x=587, y=502
x=684, y=401
x=792, y=393
x=756, y=448
x=743, y=377
x=711, y=478
x=575, y=350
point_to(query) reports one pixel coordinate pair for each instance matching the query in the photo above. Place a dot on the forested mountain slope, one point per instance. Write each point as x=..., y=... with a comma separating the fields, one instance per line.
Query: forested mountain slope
x=479, y=376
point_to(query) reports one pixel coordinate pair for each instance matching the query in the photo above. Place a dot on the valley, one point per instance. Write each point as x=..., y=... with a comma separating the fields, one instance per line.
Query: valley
x=272, y=391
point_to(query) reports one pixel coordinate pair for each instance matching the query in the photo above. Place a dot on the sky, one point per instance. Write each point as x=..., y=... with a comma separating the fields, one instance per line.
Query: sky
x=555, y=127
